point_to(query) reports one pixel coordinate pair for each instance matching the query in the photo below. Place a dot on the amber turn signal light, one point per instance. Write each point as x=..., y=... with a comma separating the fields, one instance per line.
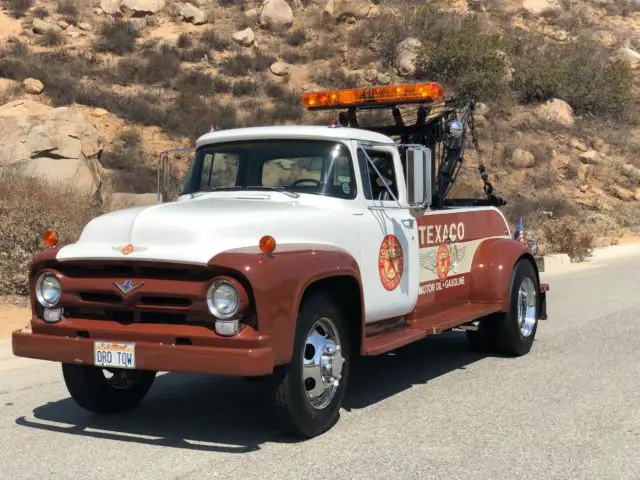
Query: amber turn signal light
x=50, y=238
x=267, y=244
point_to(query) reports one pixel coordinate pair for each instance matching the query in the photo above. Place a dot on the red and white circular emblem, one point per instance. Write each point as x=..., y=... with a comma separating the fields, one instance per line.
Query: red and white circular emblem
x=390, y=262
x=443, y=261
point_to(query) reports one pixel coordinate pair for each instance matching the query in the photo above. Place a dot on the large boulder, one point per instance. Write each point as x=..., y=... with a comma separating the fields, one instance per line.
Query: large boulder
x=110, y=7
x=538, y=7
x=556, y=111
x=339, y=9
x=142, y=7
x=276, y=15
x=56, y=144
x=406, y=55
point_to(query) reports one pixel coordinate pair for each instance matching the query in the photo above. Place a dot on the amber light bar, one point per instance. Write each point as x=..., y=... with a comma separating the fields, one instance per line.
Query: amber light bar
x=373, y=96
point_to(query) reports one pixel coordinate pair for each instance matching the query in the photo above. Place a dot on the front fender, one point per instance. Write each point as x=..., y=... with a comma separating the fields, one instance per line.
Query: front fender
x=492, y=269
x=278, y=282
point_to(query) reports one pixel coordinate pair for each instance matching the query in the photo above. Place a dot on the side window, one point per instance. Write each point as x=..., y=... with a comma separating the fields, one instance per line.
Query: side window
x=384, y=163
x=365, y=175
x=219, y=170
x=342, y=181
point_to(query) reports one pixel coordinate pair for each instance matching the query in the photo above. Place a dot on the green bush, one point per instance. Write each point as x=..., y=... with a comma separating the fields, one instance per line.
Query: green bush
x=468, y=57
x=582, y=73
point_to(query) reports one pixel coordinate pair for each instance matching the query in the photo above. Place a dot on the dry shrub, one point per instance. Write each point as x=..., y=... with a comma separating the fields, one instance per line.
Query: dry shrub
x=68, y=8
x=18, y=8
x=117, y=37
x=28, y=207
x=202, y=83
x=58, y=70
x=158, y=67
x=244, y=87
x=569, y=235
x=627, y=215
x=51, y=38
x=335, y=78
x=9, y=94
x=129, y=164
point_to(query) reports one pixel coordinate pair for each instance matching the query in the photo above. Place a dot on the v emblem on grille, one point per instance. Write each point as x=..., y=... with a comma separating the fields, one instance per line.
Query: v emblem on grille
x=127, y=286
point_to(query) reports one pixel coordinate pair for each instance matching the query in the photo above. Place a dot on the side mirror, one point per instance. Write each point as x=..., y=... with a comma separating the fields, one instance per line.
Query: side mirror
x=168, y=188
x=419, y=177
x=164, y=178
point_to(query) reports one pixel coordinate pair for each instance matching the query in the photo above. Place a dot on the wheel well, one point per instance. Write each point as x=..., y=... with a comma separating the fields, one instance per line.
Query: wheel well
x=345, y=289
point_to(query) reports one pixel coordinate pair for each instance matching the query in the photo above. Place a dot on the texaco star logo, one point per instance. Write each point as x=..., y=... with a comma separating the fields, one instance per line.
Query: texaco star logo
x=390, y=262
x=443, y=261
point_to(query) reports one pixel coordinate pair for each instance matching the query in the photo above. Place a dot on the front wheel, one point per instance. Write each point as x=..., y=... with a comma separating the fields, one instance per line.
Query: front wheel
x=310, y=389
x=106, y=391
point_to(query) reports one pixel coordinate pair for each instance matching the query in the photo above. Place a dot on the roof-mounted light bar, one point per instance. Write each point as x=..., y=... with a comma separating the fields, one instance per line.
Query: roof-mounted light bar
x=373, y=96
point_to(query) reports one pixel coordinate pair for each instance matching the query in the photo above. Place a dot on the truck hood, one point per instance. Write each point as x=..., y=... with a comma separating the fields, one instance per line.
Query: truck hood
x=194, y=231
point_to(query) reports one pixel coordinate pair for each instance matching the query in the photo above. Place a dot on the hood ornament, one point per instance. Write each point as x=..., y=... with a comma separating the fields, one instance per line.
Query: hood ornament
x=129, y=248
x=127, y=286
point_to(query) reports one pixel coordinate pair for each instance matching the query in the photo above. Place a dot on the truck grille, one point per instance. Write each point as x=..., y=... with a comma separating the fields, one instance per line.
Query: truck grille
x=168, y=295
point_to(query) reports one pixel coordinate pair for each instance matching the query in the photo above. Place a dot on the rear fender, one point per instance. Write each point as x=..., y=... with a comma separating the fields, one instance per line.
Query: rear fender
x=492, y=270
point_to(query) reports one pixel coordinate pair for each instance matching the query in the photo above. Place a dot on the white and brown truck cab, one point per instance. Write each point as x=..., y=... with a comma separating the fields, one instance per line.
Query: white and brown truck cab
x=289, y=251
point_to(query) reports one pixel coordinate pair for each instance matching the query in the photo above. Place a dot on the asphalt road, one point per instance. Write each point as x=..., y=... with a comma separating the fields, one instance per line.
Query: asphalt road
x=570, y=409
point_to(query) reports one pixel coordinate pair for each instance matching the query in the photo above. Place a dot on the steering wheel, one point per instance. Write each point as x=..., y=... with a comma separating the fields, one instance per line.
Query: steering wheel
x=300, y=180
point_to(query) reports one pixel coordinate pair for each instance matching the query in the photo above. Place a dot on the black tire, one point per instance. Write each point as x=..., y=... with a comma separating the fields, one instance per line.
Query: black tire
x=501, y=333
x=293, y=411
x=91, y=389
x=509, y=337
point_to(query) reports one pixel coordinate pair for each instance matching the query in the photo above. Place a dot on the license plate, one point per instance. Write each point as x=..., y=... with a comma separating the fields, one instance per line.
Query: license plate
x=114, y=354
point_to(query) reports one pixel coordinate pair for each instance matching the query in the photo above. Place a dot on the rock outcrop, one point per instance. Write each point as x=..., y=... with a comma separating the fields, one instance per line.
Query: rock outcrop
x=56, y=144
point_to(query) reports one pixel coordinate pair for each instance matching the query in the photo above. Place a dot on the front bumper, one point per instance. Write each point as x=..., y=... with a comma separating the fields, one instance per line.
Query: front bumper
x=150, y=354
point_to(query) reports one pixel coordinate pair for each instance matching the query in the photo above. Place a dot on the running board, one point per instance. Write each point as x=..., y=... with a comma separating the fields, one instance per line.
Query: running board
x=471, y=326
x=385, y=342
x=463, y=317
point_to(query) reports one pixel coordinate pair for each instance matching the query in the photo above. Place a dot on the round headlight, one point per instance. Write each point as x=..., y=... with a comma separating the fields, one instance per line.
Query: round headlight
x=48, y=290
x=223, y=299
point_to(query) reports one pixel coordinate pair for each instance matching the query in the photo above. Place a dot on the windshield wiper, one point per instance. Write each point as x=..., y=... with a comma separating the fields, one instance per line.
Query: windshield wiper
x=249, y=187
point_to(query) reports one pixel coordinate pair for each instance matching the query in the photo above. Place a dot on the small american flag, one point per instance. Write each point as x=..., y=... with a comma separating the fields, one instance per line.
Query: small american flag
x=519, y=233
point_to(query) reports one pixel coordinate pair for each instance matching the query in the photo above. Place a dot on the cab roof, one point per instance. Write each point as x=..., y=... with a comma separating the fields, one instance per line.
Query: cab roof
x=293, y=131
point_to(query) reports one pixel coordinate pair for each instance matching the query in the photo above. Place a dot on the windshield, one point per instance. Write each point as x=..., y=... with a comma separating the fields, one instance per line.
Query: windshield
x=305, y=166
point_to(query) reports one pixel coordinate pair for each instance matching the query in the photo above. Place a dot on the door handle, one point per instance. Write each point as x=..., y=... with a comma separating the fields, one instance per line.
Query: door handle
x=408, y=222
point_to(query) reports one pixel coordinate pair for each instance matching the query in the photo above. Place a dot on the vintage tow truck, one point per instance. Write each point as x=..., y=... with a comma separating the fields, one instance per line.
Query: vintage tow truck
x=289, y=251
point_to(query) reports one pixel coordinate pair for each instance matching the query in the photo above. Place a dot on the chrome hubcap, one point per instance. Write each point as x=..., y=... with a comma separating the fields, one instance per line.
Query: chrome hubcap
x=527, y=307
x=322, y=363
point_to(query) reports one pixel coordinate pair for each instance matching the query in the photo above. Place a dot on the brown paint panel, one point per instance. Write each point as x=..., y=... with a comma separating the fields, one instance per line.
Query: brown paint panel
x=150, y=356
x=441, y=296
x=278, y=282
x=492, y=269
x=432, y=228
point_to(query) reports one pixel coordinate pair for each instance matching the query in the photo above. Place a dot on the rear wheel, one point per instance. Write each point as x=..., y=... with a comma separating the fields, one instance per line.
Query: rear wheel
x=310, y=389
x=106, y=391
x=512, y=332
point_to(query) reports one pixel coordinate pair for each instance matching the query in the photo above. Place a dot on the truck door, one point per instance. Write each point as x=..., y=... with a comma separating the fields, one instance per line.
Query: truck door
x=389, y=238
